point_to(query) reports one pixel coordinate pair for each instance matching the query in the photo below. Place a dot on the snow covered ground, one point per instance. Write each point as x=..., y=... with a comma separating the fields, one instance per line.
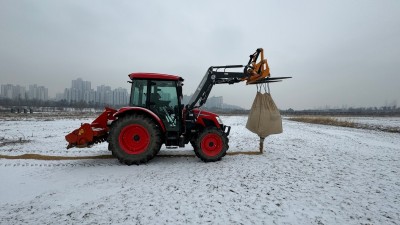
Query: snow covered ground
x=310, y=174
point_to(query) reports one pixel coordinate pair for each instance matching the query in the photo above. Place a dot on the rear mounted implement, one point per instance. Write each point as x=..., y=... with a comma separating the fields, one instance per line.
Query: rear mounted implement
x=95, y=132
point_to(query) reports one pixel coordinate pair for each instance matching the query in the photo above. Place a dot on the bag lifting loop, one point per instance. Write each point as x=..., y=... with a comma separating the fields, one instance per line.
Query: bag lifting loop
x=264, y=86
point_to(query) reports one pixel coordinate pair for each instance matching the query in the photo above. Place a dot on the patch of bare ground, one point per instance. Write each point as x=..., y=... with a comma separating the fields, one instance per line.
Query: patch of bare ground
x=331, y=121
x=6, y=142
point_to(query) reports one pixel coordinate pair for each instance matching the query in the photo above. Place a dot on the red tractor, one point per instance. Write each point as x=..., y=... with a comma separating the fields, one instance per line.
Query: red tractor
x=156, y=116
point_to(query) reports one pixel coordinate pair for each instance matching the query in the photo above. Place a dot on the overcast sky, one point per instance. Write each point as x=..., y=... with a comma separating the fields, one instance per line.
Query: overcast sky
x=339, y=52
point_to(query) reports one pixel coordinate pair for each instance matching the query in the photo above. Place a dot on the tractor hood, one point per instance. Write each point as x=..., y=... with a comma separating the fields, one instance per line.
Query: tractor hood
x=206, y=118
x=204, y=113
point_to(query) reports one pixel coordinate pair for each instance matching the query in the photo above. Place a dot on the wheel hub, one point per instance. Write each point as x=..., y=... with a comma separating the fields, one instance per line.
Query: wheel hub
x=134, y=139
x=211, y=144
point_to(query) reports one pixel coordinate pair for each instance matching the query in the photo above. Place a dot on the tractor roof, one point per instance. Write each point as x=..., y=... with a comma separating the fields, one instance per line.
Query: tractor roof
x=154, y=76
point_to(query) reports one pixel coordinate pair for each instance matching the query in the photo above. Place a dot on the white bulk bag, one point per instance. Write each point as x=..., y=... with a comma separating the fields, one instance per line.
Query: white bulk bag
x=264, y=117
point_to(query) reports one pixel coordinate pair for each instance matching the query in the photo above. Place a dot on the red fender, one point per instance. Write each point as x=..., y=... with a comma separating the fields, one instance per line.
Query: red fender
x=147, y=111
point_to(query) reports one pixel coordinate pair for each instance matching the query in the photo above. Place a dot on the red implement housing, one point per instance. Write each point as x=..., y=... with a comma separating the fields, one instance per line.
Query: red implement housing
x=95, y=132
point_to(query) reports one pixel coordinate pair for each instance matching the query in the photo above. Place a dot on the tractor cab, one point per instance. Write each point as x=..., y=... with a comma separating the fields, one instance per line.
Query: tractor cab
x=161, y=94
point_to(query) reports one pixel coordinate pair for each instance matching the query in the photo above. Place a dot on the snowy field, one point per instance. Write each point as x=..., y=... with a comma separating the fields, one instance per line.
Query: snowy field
x=310, y=174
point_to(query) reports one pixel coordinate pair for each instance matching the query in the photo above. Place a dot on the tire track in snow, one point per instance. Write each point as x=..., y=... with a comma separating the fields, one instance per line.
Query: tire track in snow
x=81, y=160
x=60, y=164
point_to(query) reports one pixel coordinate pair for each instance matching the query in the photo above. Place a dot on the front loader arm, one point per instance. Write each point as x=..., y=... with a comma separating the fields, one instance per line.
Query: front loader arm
x=255, y=72
x=212, y=77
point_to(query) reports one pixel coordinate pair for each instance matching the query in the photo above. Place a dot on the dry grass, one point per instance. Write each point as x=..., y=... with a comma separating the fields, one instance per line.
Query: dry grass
x=326, y=120
x=57, y=158
x=49, y=157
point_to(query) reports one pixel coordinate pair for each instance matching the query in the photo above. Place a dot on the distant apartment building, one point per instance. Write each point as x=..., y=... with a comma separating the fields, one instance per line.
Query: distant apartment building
x=186, y=99
x=59, y=97
x=120, y=96
x=38, y=92
x=89, y=96
x=212, y=102
x=16, y=92
x=104, y=95
x=78, y=92
x=81, y=91
x=215, y=102
x=11, y=91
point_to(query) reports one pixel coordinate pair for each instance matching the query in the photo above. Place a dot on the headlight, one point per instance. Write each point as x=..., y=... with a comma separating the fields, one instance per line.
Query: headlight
x=219, y=120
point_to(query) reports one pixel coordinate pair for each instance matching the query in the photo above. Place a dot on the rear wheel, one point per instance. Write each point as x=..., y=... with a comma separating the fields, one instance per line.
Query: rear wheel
x=134, y=139
x=211, y=145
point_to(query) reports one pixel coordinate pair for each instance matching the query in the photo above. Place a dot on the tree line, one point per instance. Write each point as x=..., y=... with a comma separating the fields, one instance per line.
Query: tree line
x=8, y=104
x=351, y=111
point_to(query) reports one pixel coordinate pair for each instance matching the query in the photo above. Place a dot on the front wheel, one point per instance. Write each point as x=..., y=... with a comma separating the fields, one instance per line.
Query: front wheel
x=211, y=145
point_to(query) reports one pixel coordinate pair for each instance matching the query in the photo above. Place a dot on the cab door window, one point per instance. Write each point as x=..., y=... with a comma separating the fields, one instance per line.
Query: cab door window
x=139, y=93
x=164, y=102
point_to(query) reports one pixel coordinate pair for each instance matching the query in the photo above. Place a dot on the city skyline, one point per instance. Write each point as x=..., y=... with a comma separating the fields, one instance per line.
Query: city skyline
x=34, y=91
x=79, y=90
x=213, y=101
